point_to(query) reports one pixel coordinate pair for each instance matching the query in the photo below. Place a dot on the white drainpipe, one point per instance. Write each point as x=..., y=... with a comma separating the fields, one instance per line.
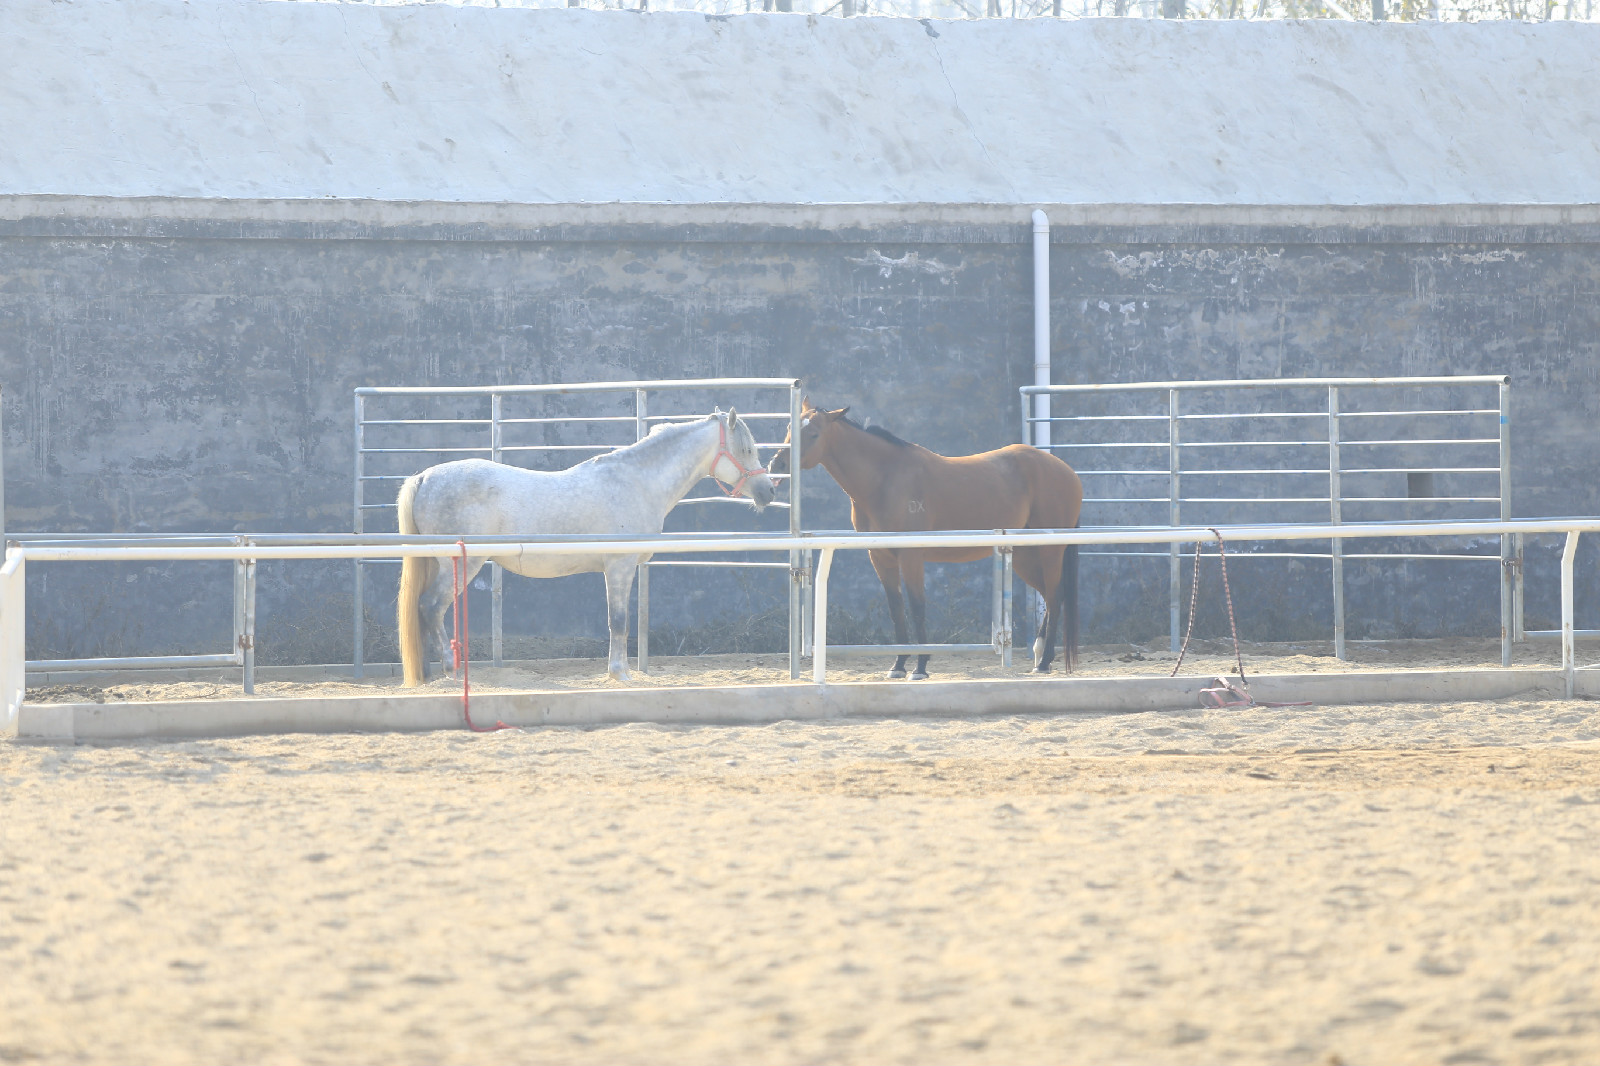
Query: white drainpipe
x=1041, y=346
x=1041, y=324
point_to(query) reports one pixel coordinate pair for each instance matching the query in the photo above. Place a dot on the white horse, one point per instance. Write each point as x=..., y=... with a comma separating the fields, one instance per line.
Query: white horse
x=628, y=491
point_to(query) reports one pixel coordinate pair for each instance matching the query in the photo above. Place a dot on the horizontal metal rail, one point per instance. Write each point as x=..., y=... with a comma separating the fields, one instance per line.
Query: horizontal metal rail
x=835, y=650
x=579, y=388
x=1262, y=414
x=398, y=546
x=1267, y=383
x=131, y=662
x=1234, y=554
x=730, y=564
x=1271, y=443
x=1450, y=411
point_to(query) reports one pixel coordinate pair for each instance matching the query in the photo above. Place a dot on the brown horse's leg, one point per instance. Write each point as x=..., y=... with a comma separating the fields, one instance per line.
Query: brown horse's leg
x=887, y=565
x=916, y=591
x=1048, y=568
x=1028, y=563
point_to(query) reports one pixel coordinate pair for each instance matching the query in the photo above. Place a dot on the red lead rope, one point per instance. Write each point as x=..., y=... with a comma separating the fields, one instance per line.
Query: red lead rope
x=1222, y=692
x=460, y=642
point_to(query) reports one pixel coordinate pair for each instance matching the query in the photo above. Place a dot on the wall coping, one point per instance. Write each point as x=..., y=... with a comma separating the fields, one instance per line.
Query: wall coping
x=362, y=219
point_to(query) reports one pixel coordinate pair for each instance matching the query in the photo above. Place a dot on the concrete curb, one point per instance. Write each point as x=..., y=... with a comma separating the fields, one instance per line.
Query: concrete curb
x=752, y=704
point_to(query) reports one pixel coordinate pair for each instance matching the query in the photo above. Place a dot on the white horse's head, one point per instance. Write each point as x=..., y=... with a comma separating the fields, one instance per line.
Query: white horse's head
x=737, y=464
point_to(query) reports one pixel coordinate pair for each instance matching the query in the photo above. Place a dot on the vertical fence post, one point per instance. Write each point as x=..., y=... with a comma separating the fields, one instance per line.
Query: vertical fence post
x=2, y=486
x=1519, y=633
x=641, y=428
x=1568, y=652
x=1026, y=438
x=238, y=606
x=1336, y=516
x=1174, y=557
x=241, y=632
x=798, y=560
x=13, y=636
x=249, y=625
x=994, y=599
x=1506, y=624
x=496, y=575
x=819, y=636
x=806, y=605
x=359, y=623
x=1007, y=584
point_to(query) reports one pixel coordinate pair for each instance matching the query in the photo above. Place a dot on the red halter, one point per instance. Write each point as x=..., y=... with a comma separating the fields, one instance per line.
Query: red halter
x=745, y=474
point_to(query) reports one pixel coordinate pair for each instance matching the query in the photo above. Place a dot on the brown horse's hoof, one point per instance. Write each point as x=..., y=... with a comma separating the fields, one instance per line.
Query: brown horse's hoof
x=895, y=674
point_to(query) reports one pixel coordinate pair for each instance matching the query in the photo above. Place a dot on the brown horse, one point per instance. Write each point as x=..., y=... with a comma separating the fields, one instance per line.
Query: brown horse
x=896, y=486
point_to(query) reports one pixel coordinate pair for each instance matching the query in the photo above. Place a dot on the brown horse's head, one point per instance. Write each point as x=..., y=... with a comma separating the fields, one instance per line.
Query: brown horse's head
x=816, y=434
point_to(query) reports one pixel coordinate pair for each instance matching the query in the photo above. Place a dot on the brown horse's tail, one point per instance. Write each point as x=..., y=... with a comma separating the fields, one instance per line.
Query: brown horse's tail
x=415, y=574
x=1067, y=598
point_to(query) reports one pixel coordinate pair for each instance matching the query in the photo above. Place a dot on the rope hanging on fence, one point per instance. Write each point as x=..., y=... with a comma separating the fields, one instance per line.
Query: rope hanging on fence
x=1194, y=602
x=460, y=641
x=1222, y=692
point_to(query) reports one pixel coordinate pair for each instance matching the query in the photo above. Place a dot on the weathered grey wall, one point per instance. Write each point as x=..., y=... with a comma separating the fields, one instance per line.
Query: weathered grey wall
x=196, y=376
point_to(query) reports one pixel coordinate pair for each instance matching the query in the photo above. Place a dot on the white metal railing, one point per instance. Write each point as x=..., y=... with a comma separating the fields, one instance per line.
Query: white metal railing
x=1153, y=451
x=13, y=630
x=12, y=588
x=244, y=590
x=507, y=437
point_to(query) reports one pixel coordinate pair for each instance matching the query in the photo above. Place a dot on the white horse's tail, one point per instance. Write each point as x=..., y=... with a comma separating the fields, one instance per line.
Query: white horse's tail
x=415, y=574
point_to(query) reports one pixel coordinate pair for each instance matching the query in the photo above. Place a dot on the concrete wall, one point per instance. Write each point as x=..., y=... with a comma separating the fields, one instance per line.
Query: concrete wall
x=164, y=370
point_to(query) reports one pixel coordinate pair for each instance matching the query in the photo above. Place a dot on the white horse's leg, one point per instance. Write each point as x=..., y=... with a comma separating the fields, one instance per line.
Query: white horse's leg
x=619, y=591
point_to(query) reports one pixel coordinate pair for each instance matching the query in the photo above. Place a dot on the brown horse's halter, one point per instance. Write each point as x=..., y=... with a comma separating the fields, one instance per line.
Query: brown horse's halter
x=745, y=474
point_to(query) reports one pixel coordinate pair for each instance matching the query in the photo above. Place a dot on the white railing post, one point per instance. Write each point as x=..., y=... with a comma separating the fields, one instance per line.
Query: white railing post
x=1007, y=634
x=1174, y=516
x=1508, y=625
x=358, y=623
x=798, y=579
x=819, y=619
x=238, y=607
x=1568, y=652
x=249, y=638
x=1336, y=516
x=13, y=637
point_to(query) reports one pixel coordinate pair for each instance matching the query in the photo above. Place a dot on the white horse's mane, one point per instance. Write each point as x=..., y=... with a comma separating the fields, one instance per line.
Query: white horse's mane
x=718, y=413
x=676, y=425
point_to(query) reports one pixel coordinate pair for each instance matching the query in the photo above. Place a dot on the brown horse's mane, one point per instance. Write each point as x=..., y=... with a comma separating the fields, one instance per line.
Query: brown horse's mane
x=876, y=431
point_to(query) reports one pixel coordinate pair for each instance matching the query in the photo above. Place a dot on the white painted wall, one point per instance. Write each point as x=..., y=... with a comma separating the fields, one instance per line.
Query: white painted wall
x=265, y=98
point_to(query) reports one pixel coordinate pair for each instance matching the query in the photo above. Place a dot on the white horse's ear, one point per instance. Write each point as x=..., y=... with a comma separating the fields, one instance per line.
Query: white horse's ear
x=733, y=418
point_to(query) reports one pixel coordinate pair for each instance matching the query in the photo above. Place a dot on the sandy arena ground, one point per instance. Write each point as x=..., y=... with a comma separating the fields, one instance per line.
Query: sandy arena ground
x=1390, y=884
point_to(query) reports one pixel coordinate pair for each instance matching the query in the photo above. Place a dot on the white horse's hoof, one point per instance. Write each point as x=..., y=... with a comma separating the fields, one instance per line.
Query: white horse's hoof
x=620, y=674
x=1040, y=671
x=919, y=675
x=896, y=674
